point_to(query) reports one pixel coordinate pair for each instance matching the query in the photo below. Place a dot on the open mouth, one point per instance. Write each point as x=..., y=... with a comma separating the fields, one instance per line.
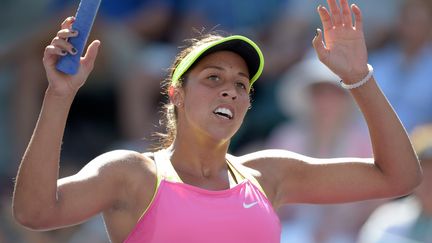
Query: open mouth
x=224, y=112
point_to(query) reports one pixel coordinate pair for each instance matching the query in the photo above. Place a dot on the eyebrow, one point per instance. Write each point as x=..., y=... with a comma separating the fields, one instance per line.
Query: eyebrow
x=223, y=69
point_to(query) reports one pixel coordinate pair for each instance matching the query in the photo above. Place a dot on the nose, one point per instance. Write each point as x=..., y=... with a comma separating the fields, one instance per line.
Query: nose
x=229, y=93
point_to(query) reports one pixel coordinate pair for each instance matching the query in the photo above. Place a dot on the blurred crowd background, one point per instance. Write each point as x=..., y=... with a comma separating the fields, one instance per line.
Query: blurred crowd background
x=297, y=103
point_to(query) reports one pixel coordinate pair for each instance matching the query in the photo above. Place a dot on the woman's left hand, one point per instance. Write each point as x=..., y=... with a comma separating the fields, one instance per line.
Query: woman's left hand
x=344, y=50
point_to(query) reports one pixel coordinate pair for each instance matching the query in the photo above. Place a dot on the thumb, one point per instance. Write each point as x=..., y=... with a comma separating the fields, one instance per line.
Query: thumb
x=319, y=46
x=89, y=58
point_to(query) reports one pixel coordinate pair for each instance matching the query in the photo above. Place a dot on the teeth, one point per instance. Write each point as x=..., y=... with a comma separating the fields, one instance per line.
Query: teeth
x=224, y=111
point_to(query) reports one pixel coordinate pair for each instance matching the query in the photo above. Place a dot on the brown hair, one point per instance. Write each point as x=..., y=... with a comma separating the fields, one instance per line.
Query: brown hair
x=169, y=110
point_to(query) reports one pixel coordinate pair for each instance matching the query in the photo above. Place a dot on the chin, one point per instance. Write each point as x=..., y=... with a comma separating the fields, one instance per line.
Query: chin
x=222, y=135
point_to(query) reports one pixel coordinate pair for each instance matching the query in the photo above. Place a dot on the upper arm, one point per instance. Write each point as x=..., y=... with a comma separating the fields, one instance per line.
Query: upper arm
x=98, y=186
x=301, y=179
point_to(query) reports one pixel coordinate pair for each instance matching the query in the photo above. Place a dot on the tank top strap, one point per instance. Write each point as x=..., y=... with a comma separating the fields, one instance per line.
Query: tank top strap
x=158, y=181
x=165, y=168
x=152, y=155
x=241, y=173
x=238, y=177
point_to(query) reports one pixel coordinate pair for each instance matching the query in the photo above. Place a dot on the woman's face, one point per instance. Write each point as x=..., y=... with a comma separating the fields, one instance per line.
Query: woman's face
x=216, y=96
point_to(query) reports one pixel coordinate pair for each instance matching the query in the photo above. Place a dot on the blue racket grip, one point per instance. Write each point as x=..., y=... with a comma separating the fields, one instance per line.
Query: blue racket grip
x=84, y=19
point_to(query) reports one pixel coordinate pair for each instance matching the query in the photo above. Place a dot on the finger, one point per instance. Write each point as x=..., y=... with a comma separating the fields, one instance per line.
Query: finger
x=67, y=23
x=358, y=17
x=319, y=46
x=64, y=45
x=53, y=50
x=51, y=55
x=346, y=13
x=325, y=18
x=335, y=12
x=66, y=33
x=89, y=58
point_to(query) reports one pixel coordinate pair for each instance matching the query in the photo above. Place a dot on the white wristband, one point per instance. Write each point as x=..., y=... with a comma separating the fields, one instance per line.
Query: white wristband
x=359, y=83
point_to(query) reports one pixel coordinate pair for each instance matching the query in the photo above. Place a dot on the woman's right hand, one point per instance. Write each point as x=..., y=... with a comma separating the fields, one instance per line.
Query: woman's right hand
x=61, y=84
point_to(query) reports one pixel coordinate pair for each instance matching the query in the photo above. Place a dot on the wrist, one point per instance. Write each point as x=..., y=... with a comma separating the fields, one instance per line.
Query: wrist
x=356, y=75
x=355, y=83
x=53, y=93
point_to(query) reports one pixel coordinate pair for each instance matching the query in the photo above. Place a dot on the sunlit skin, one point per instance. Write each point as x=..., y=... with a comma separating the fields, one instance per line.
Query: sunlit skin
x=121, y=184
x=220, y=79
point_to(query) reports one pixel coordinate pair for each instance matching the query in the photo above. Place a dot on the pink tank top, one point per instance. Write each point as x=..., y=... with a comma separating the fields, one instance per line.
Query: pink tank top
x=184, y=213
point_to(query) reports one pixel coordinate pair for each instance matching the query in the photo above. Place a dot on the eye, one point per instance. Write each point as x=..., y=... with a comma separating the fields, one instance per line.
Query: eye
x=241, y=85
x=213, y=77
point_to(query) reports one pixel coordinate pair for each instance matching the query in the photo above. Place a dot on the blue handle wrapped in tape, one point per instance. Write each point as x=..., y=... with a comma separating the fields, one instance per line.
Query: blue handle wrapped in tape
x=84, y=19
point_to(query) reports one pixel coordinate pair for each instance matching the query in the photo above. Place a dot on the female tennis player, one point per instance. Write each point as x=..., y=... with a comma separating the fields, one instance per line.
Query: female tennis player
x=192, y=190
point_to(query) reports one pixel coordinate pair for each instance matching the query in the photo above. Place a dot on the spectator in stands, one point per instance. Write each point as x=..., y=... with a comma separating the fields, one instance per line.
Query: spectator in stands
x=404, y=66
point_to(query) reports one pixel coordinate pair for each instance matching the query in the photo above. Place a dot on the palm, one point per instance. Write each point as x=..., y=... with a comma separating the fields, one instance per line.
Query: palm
x=60, y=83
x=345, y=49
x=64, y=84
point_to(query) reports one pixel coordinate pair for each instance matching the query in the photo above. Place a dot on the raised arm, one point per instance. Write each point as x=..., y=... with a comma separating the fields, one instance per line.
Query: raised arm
x=345, y=53
x=394, y=169
x=36, y=198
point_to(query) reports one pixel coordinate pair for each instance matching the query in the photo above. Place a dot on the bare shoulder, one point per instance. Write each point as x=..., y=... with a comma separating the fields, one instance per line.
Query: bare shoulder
x=120, y=160
x=116, y=169
x=284, y=164
x=275, y=168
x=108, y=184
x=264, y=159
x=261, y=163
x=267, y=166
x=296, y=178
x=123, y=157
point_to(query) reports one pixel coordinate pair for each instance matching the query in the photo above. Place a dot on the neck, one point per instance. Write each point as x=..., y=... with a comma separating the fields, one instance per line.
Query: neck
x=199, y=158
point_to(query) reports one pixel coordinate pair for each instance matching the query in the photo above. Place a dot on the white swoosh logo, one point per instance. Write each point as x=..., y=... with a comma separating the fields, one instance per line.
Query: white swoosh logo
x=249, y=205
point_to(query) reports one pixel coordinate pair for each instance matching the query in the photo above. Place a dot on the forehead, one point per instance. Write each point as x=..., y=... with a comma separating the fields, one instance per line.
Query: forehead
x=225, y=59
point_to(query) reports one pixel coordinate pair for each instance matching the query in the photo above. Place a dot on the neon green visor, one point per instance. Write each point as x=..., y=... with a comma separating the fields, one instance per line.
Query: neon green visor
x=241, y=45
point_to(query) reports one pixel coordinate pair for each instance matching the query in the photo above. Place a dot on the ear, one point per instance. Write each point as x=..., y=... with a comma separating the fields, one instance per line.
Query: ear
x=176, y=96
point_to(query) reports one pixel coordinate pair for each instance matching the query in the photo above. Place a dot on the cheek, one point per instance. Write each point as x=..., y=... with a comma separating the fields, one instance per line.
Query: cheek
x=197, y=104
x=245, y=99
x=196, y=96
x=245, y=104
